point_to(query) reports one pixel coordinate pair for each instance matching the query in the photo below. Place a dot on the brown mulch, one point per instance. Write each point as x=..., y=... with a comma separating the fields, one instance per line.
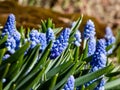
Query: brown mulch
x=28, y=16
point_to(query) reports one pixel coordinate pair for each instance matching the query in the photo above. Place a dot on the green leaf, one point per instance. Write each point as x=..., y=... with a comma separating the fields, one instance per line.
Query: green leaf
x=49, y=23
x=30, y=80
x=109, y=47
x=43, y=58
x=76, y=54
x=4, y=73
x=2, y=52
x=75, y=28
x=57, y=30
x=53, y=82
x=88, y=77
x=58, y=69
x=113, y=74
x=85, y=51
x=43, y=25
x=93, y=85
x=3, y=39
x=65, y=76
x=28, y=64
x=15, y=68
x=88, y=59
x=14, y=57
x=112, y=84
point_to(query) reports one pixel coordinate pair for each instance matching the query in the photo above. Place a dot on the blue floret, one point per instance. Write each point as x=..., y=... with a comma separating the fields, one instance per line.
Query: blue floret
x=89, y=30
x=77, y=37
x=91, y=46
x=50, y=35
x=60, y=44
x=70, y=83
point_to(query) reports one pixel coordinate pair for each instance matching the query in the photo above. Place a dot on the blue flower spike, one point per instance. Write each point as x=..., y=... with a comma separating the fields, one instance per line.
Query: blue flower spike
x=78, y=39
x=98, y=61
x=101, y=85
x=110, y=39
x=60, y=44
x=99, y=57
x=91, y=46
x=13, y=41
x=37, y=38
x=50, y=35
x=9, y=27
x=89, y=30
x=70, y=83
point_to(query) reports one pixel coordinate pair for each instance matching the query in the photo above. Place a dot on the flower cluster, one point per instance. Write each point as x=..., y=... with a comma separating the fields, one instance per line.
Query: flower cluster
x=99, y=57
x=60, y=44
x=110, y=39
x=14, y=36
x=89, y=30
x=91, y=46
x=70, y=83
x=77, y=37
x=101, y=85
x=98, y=60
x=89, y=34
x=50, y=35
x=37, y=38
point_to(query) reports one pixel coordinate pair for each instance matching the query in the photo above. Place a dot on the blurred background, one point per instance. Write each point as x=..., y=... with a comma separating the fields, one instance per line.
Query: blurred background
x=30, y=12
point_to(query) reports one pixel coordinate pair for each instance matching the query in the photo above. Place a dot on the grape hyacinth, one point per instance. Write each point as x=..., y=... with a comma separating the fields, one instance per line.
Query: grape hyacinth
x=11, y=44
x=50, y=35
x=34, y=38
x=9, y=27
x=91, y=46
x=37, y=38
x=42, y=39
x=89, y=30
x=5, y=56
x=101, y=85
x=14, y=36
x=99, y=59
x=77, y=37
x=60, y=44
x=70, y=83
x=110, y=39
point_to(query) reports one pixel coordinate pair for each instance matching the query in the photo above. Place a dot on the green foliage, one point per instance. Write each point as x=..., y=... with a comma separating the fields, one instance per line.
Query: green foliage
x=36, y=71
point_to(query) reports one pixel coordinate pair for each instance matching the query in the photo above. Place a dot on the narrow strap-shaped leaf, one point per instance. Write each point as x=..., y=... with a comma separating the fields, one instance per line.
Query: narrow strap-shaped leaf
x=75, y=27
x=4, y=71
x=113, y=74
x=42, y=59
x=53, y=82
x=2, y=52
x=30, y=80
x=85, y=52
x=58, y=69
x=1, y=85
x=28, y=63
x=15, y=56
x=64, y=79
x=93, y=85
x=112, y=84
x=44, y=28
x=76, y=54
x=49, y=23
x=3, y=39
x=57, y=30
x=88, y=77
